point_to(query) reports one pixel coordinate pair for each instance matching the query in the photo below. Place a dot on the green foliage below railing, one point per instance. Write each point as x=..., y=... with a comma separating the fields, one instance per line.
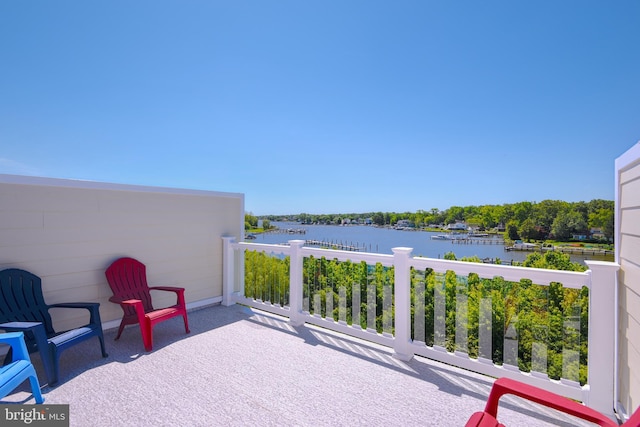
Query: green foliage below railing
x=266, y=278
x=553, y=316
x=326, y=278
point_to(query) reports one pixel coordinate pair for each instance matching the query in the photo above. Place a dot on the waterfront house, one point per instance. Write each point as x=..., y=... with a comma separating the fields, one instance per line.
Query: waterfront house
x=274, y=364
x=404, y=223
x=597, y=233
x=457, y=226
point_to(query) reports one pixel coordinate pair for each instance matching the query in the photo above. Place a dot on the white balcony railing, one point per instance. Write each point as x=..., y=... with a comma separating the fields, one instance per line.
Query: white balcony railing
x=402, y=291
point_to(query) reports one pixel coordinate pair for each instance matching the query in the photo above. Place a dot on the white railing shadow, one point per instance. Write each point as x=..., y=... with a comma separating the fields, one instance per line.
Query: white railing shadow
x=402, y=331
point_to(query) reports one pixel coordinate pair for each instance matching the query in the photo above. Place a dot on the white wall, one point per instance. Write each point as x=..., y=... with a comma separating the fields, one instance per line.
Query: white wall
x=68, y=232
x=628, y=256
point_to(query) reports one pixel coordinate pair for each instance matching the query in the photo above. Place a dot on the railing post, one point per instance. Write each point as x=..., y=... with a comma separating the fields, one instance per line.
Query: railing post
x=295, y=283
x=402, y=304
x=602, y=331
x=228, y=270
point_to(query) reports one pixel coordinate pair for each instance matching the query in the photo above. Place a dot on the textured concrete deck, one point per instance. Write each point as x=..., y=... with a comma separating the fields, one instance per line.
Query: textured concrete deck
x=244, y=367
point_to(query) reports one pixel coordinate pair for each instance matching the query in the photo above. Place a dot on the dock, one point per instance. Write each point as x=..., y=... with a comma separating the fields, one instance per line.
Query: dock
x=332, y=245
x=563, y=249
x=476, y=241
x=287, y=231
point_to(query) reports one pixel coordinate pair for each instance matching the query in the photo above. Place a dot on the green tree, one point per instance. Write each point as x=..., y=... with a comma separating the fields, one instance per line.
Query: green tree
x=378, y=218
x=454, y=213
x=512, y=230
x=568, y=223
x=522, y=211
x=528, y=230
x=489, y=216
x=602, y=218
x=250, y=221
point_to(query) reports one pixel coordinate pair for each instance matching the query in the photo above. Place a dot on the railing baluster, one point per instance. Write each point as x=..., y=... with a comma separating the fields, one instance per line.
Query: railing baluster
x=485, y=332
x=440, y=313
x=355, y=306
x=342, y=305
x=462, y=316
x=371, y=308
x=419, y=313
x=329, y=304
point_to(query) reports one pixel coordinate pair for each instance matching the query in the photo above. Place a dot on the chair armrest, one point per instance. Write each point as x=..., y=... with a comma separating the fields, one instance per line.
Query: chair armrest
x=136, y=304
x=93, y=307
x=504, y=386
x=167, y=288
x=129, y=302
x=16, y=341
x=177, y=290
x=87, y=305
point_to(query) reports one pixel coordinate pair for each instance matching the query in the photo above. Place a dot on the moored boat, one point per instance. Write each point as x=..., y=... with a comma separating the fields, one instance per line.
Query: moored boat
x=441, y=237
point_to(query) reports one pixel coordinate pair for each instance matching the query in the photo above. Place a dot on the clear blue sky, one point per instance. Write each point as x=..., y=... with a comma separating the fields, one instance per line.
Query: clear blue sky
x=325, y=106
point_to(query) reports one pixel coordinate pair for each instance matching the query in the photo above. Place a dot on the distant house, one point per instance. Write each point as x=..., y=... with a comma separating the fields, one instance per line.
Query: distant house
x=597, y=233
x=404, y=223
x=458, y=226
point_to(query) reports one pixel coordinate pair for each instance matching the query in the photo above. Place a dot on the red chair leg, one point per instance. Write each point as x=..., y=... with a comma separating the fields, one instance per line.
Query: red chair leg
x=147, y=334
x=120, y=329
x=186, y=323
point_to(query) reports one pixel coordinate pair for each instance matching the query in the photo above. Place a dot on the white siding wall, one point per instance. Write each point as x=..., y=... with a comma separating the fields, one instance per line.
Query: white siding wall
x=68, y=232
x=628, y=256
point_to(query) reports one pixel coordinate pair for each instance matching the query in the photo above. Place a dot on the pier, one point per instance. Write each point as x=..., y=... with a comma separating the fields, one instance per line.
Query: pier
x=476, y=241
x=332, y=245
x=564, y=249
x=287, y=231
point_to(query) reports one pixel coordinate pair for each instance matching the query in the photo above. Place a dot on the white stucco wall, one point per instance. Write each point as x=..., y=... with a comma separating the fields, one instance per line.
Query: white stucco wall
x=628, y=256
x=68, y=232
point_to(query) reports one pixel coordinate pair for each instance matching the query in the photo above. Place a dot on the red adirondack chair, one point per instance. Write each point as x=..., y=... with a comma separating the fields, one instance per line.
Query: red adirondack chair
x=127, y=278
x=502, y=386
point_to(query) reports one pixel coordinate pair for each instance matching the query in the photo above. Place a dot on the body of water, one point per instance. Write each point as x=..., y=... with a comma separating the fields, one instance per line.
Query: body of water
x=382, y=240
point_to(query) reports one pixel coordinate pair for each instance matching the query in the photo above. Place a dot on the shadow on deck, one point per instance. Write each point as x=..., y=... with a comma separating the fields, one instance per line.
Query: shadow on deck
x=241, y=366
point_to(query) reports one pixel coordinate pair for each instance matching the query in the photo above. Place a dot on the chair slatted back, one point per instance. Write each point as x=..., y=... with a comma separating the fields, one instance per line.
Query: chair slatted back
x=21, y=299
x=127, y=278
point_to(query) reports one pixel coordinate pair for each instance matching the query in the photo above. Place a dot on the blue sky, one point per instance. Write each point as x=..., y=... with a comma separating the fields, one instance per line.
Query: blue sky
x=325, y=106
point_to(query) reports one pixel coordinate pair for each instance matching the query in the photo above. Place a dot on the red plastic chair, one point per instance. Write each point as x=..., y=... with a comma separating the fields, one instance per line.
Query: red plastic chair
x=502, y=386
x=127, y=278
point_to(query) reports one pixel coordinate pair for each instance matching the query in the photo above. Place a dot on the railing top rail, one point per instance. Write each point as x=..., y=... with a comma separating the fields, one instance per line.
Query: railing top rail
x=540, y=276
x=370, y=258
x=264, y=247
x=569, y=279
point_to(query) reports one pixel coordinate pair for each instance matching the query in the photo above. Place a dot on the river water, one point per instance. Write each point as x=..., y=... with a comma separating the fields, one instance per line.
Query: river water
x=382, y=240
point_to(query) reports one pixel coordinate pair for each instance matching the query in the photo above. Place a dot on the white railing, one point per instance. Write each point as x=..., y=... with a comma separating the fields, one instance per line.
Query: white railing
x=403, y=332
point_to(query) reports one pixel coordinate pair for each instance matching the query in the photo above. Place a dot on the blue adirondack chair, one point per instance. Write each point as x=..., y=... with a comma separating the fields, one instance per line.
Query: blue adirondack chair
x=23, y=309
x=20, y=368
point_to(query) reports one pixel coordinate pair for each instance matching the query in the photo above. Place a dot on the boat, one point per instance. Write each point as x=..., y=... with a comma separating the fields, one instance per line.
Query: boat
x=441, y=237
x=520, y=246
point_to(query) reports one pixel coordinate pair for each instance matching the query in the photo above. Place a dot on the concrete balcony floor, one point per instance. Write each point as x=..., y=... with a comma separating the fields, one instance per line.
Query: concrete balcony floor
x=244, y=367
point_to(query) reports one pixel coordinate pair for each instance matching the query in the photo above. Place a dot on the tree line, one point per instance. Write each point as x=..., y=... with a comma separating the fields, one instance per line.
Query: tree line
x=548, y=219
